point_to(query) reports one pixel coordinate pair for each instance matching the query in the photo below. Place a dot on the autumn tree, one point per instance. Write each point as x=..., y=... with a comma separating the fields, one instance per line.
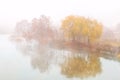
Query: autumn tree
x=23, y=29
x=39, y=29
x=94, y=30
x=76, y=28
x=42, y=28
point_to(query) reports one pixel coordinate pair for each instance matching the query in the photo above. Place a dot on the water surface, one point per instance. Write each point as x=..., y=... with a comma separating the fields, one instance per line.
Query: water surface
x=25, y=61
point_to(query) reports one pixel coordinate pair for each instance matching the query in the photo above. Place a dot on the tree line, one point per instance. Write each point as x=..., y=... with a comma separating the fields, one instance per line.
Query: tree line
x=73, y=28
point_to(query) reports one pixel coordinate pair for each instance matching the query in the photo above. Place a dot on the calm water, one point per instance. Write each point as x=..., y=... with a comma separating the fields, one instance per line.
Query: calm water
x=24, y=61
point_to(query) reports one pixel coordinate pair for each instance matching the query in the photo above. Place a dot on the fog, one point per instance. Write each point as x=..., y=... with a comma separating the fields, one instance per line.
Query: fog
x=12, y=11
x=61, y=40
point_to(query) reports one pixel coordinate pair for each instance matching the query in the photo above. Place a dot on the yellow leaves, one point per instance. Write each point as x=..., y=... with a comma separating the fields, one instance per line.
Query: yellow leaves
x=85, y=31
x=72, y=25
x=77, y=26
x=95, y=31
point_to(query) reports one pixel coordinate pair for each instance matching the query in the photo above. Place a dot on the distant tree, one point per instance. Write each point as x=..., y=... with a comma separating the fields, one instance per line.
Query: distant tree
x=42, y=29
x=117, y=32
x=108, y=34
x=23, y=29
x=38, y=29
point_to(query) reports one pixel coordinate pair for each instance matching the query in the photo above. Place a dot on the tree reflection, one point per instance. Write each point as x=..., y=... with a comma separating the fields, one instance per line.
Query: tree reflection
x=41, y=61
x=81, y=66
x=40, y=55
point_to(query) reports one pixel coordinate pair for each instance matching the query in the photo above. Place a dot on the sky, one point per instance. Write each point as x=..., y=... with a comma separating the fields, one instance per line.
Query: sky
x=13, y=11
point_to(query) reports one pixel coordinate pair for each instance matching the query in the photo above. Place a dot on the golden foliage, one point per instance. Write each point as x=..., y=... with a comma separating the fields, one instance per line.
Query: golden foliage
x=76, y=27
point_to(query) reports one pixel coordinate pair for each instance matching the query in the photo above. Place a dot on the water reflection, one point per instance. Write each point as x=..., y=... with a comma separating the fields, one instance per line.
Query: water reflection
x=41, y=60
x=81, y=66
x=39, y=57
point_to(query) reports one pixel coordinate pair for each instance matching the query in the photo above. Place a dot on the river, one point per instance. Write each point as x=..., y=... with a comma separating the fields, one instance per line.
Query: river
x=16, y=65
